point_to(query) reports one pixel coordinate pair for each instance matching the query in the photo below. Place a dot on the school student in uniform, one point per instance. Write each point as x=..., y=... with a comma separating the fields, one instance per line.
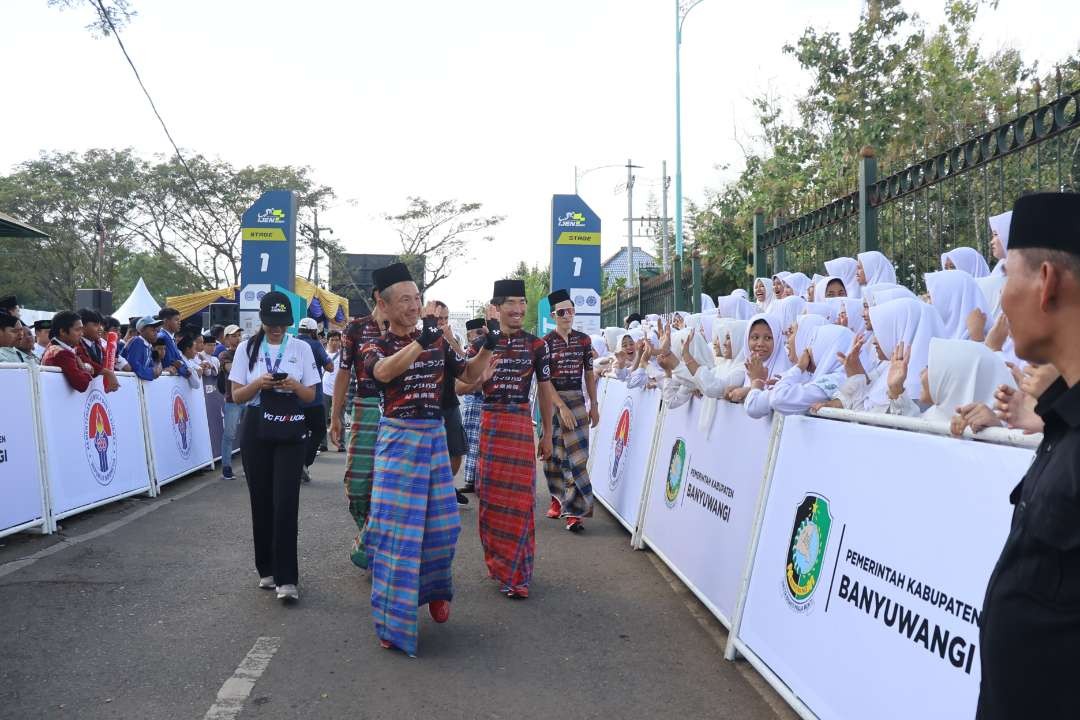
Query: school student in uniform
x=274, y=375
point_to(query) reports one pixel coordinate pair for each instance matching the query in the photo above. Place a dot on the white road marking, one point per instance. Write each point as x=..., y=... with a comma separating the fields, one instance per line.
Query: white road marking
x=234, y=693
x=718, y=633
x=68, y=542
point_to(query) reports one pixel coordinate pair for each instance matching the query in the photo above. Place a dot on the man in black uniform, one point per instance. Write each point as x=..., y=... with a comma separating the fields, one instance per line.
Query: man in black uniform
x=1030, y=630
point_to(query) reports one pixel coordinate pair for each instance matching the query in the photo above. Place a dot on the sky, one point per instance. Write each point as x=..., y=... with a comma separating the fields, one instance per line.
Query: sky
x=489, y=101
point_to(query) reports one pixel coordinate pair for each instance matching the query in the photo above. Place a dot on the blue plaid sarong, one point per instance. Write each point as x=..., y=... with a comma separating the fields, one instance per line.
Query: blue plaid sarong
x=412, y=528
x=472, y=406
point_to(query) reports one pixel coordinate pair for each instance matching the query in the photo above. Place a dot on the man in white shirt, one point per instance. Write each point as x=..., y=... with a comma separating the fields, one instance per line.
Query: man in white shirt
x=41, y=337
x=333, y=349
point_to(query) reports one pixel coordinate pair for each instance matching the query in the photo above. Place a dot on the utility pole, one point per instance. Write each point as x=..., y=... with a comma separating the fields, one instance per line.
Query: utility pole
x=630, y=273
x=315, y=230
x=664, y=220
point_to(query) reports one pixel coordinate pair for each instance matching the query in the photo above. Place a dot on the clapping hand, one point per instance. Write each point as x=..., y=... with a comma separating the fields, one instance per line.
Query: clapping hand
x=853, y=360
x=976, y=325
x=898, y=370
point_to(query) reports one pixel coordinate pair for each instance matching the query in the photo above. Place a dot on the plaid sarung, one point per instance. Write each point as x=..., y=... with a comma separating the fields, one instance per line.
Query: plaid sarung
x=359, y=466
x=567, y=476
x=506, y=488
x=413, y=527
x=472, y=407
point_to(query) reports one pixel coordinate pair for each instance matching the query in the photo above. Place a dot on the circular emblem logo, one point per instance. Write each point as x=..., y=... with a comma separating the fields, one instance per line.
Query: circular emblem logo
x=99, y=437
x=806, y=547
x=591, y=300
x=620, y=444
x=579, y=299
x=675, y=473
x=181, y=423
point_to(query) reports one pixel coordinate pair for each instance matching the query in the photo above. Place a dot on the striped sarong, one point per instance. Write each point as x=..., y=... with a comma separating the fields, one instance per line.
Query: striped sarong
x=413, y=526
x=567, y=476
x=472, y=407
x=359, y=465
x=506, y=488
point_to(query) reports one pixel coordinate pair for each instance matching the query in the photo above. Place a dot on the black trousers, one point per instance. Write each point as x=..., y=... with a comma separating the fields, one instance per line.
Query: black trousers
x=315, y=419
x=273, y=480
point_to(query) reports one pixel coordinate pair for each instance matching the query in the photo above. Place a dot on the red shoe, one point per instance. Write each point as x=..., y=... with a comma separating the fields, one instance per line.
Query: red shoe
x=385, y=644
x=518, y=593
x=574, y=524
x=440, y=610
x=556, y=508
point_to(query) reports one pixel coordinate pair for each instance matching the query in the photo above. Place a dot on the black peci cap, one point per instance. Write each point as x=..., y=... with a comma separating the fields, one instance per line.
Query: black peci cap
x=1046, y=220
x=508, y=288
x=557, y=297
x=474, y=324
x=391, y=275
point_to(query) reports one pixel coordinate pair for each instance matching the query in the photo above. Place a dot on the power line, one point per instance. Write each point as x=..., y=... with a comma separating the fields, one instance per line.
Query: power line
x=100, y=7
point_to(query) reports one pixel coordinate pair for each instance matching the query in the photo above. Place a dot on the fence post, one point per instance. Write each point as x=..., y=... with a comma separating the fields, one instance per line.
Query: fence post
x=640, y=296
x=676, y=284
x=868, y=236
x=760, y=260
x=781, y=251
x=695, y=283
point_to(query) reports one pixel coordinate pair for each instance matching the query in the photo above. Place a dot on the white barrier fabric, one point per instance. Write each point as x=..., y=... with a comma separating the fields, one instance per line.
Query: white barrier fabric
x=20, y=462
x=179, y=429
x=622, y=447
x=94, y=441
x=871, y=566
x=703, y=496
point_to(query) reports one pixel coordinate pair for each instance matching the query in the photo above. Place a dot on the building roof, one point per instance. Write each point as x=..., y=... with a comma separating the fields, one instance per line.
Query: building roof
x=12, y=227
x=616, y=266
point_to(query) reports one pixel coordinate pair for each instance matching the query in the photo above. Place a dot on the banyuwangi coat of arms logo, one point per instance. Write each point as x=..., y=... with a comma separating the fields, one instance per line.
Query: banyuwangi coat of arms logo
x=99, y=437
x=806, y=549
x=676, y=472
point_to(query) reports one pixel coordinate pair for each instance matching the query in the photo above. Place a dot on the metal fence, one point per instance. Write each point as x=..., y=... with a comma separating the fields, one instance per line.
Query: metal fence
x=651, y=295
x=932, y=204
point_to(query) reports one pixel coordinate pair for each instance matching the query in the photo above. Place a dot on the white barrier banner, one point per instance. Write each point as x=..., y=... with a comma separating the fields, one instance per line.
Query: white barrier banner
x=94, y=440
x=179, y=430
x=620, y=453
x=873, y=558
x=20, y=467
x=703, y=497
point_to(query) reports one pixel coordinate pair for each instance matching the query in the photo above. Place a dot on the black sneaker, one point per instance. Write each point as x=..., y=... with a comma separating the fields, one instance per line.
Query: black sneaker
x=469, y=488
x=227, y=473
x=461, y=499
x=304, y=475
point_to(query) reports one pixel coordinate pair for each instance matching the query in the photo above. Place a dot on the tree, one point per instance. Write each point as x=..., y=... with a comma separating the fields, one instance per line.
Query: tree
x=440, y=233
x=537, y=287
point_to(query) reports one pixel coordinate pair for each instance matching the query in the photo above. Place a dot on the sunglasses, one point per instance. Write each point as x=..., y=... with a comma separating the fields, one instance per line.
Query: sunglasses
x=563, y=312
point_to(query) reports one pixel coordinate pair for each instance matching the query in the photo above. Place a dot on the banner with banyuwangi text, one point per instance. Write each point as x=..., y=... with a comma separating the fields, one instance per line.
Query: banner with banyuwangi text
x=871, y=566
x=20, y=466
x=96, y=449
x=619, y=455
x=179, y=428
x=703, y=494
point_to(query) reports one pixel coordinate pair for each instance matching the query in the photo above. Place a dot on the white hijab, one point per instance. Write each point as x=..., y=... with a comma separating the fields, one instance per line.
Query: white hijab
x=877, y=268
x=962, y=372
x=845, y=268
x=955, y=294
x=1001, y=224
x=770, y=296
x=788, y=311
x=736, y=368
x=853, y=308
x=968, y=260
x=798, y=282
x=733, y=306
x=913, y=323
x=804, y=334
x=777, y=363
x=740, y=292
x=707, y=304
x=827, y=341
x=821, y=308
x=991, y=287
x=599, y=345
x=888, y=291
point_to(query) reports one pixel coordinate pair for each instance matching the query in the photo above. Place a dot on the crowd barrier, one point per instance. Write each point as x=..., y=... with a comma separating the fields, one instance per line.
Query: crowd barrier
x=848, y=560
x=64, y=452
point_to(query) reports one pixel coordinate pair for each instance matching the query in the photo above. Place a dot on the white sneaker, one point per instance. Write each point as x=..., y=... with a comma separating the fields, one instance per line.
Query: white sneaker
x=267, y=583
x=287, y=592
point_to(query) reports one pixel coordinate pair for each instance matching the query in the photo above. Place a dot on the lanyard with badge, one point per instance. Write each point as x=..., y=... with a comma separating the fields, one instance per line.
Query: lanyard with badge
x=282, y=418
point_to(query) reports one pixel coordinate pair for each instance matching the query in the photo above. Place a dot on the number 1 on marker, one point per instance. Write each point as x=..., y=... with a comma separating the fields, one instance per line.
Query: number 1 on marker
x=577, y=267
x=265, y=257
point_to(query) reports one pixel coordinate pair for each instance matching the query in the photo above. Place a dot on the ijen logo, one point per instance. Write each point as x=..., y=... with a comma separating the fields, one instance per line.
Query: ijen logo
x=272, y=216
x=620, y=444
x=181, y=423
x=99, y=437
x=676, y=472
x=806, y=549
x=572, y=219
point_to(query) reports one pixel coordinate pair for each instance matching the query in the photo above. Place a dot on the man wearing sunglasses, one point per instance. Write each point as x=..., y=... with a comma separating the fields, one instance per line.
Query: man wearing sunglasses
x=570, y=353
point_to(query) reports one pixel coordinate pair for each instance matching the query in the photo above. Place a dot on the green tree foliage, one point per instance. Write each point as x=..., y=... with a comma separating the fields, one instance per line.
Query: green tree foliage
x=537, y=286
x=894, y=84
x=155, y=222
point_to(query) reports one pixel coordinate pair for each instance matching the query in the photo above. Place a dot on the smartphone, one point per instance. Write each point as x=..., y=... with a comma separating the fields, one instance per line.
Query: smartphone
x=279, y=376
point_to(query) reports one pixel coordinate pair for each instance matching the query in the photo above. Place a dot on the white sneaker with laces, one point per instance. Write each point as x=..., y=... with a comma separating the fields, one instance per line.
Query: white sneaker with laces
x=267, y=583
x=287, y=592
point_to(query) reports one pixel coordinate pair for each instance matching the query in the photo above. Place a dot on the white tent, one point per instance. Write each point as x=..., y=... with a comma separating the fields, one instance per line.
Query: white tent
x=138, y=304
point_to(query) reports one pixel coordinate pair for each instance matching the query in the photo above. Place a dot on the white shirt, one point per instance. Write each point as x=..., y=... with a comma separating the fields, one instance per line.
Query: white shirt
x=330, y=376
x=297, y=360
x=39, y=350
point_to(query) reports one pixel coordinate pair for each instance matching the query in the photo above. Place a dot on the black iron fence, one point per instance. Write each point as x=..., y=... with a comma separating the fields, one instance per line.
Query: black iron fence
x=932, y=204
x=651, y=295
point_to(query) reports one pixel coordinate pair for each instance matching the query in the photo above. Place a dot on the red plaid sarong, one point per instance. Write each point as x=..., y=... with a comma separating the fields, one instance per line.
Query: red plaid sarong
x=506, y=488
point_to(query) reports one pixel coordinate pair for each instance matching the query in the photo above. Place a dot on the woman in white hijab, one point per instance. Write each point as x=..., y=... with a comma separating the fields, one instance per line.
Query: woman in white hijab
x=957, y=386
x=731, y=306
x=788, y=309
x=884, y=292
x=817, y=375
x=846, y=269
x=907, y=321
x=797, y=283
x=966, y=259
x=763, y=294
x=778, y=283
x=999, y=240
x=707, y=304
x=964, y=311
x=740, y=292
x=874, y=268
x=796, y=342
x=765, y=359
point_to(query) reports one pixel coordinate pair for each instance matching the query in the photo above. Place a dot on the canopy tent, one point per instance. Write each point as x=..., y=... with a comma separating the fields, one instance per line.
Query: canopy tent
x=322, y=304
x=139, y=304
x=10, y=227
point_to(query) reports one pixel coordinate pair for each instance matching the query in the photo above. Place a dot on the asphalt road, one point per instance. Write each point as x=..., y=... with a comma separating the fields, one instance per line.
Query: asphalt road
x=148, y=609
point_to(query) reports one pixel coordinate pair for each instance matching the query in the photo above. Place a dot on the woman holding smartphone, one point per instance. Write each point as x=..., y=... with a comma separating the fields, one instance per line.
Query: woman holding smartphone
x=274, y=375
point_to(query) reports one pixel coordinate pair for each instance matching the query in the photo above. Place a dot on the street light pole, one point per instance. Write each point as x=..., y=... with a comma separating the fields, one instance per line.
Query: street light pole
x=680, y=17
